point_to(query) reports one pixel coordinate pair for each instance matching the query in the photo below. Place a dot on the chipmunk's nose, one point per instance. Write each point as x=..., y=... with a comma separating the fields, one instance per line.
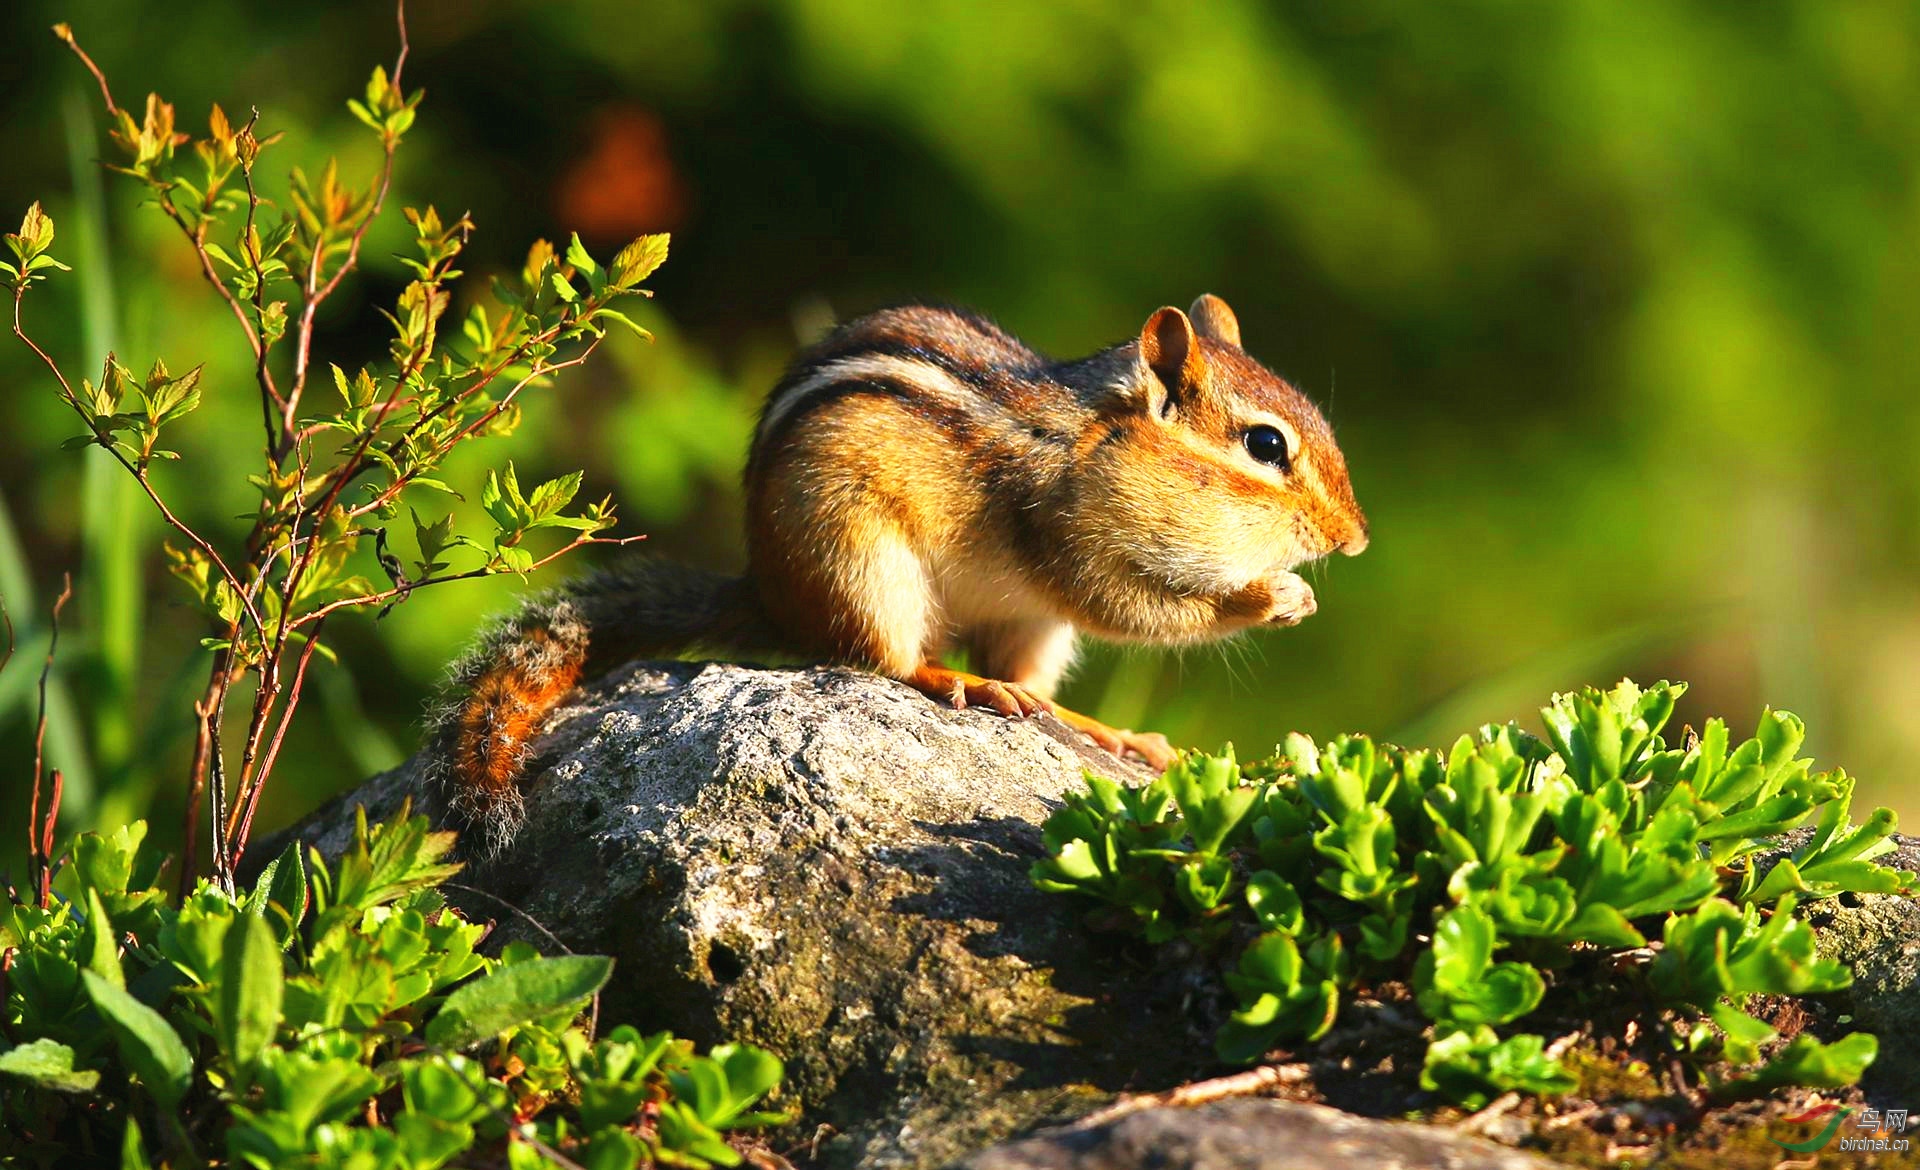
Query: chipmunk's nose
x=1356, y=541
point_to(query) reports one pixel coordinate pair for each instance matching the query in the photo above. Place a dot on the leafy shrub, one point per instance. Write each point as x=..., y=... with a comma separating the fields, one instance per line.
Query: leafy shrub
x=1353, y=861
x=329, y=1017
x=345, y=471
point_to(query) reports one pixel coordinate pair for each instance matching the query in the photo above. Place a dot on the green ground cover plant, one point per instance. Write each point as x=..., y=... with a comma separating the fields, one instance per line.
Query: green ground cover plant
x=1479, y=875
x=329, y=1016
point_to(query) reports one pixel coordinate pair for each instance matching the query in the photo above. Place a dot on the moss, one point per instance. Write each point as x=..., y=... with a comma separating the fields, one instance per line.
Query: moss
x=1605, y=1078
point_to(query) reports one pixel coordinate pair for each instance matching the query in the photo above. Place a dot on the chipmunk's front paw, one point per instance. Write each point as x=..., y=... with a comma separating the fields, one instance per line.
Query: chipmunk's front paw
x=1292, y=602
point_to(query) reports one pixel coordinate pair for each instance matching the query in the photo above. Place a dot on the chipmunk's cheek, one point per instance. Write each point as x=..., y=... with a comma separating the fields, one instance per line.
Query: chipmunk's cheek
x=1284, y=550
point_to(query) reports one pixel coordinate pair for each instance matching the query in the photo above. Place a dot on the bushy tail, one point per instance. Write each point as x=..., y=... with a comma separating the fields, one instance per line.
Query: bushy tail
x=500, y=693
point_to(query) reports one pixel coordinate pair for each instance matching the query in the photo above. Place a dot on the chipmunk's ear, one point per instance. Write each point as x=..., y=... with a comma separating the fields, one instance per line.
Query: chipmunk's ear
x=1171, y=351
x=1212, y=318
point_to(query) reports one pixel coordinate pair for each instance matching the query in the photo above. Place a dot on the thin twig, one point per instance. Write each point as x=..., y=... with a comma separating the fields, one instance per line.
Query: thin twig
x=316, y=296
x=273, y=749
x=269, y=688
x=196, y=234
x=387, y=594
x=66, y=34
x=139, y=475
x=1243, y=1084
x=249, y=243
x=481, y=380
x=265, y=694
x=518, y=912
x=300, y=560
x=217, y=777
x=46, y=838
x=197, y=237
x=1479, y=1121
x=197, y=773
x=39, y=837
x=1575, y=1117
x=6, y=978
x=1558, y=1048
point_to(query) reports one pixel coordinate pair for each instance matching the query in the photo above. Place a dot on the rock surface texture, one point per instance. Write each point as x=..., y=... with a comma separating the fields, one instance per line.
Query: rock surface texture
x=1250, y=1135
x=831, y=866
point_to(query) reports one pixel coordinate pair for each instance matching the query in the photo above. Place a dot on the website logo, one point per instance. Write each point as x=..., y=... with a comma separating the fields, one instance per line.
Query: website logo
x=1876, y=1122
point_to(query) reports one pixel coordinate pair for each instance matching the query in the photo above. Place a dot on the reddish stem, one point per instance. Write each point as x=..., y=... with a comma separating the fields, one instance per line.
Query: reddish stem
x=273, y=747
x=39, y=834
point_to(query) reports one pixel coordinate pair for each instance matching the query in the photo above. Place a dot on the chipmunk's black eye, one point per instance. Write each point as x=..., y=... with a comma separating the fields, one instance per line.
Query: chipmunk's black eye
x=1267, y=445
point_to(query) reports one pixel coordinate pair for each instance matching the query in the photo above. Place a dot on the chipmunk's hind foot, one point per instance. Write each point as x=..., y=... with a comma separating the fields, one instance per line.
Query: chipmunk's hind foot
x=1150, y=746
x=965, y=690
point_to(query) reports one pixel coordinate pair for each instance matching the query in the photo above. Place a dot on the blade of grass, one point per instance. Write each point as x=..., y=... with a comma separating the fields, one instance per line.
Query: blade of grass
x=113, y=522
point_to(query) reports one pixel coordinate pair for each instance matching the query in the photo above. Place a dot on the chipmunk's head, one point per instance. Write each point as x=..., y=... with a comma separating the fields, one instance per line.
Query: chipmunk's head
x=1230, y=474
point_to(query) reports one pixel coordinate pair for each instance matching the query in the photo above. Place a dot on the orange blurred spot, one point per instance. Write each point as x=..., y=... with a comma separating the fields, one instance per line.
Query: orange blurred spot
x=625, y=183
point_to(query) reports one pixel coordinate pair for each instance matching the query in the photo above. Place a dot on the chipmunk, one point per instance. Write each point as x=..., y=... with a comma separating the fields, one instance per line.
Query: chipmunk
x=920, y=480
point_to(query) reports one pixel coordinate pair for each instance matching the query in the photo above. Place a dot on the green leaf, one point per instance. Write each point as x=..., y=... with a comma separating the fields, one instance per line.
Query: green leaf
x=516, y=559
x=102, y=951
x=1456, y=982
x=1274, y=902
x=637, y=261
x=432, y=538
x=34, y=237
x=1809, y=1063
x=1744, y=1034
x=1282, y=993
x=390, y=860
x=149, y=1045
x=644, y=333
x=1721, y=949
x=724, y=1084
x=49, y=1065
x=444, y=1088
x=133, y=1148
x=577, y=256
x=613, y=1074
x=614, y=1149
x=1211, y=797
x=252, y=984
x=514, y=995
x=1470, y=1065
x=554, y=495
x=284, y=883
x=501, y=498
x=105, y=862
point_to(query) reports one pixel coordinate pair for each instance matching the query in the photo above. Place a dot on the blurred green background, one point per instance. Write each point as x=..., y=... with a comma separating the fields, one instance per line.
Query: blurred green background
x=1613, y=305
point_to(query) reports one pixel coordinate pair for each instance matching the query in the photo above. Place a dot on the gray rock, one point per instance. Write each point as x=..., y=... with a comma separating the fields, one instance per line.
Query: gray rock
x=833, y=867
x=1250, y=1134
